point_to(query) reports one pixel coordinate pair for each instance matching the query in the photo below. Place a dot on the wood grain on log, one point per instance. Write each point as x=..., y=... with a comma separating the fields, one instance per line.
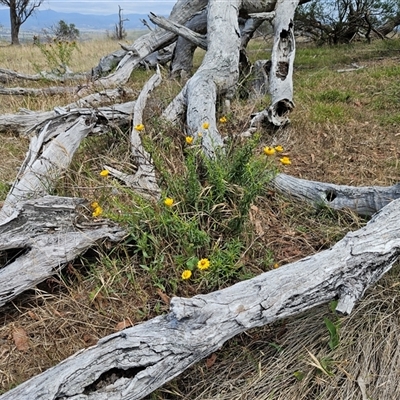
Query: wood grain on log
x=42, y=236
x=134, y=362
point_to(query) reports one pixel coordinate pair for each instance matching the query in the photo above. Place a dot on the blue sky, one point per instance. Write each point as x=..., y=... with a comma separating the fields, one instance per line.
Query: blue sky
x=162, y=7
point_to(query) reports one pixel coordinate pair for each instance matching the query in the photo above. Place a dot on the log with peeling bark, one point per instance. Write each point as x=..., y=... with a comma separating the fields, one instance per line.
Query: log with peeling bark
x=48, y=91
x=364, y=201
x=42, y=236
x=134, y=362
x=7, y=75
x=23, y=122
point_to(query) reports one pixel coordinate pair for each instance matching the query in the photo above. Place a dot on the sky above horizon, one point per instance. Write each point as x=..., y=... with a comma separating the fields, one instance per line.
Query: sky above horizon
x=104, y=7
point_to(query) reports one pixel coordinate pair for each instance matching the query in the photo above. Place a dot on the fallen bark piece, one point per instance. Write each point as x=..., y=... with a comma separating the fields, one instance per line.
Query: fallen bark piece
x=42, y=236
x=364, y=201
x=134, y=362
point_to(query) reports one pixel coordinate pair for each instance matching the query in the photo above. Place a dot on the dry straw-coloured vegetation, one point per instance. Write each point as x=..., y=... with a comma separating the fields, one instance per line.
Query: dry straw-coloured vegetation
x=345, y=129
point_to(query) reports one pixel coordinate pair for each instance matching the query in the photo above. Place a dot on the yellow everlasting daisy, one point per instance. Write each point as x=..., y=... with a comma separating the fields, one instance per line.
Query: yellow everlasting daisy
x=276, y=265
x=139, y=127
x=97, y=212
x=279, y=148
x=203, y=264
x=285, y=160
x=205, y=125
x=104, y=172
x=94, y=204
x=169, y=202
x=269, y=151
x=186, y=274
x=189, y=139
x=223, y=120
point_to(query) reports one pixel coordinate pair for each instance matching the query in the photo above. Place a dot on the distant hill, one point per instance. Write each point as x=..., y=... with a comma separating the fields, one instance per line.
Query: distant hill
x=47, y=18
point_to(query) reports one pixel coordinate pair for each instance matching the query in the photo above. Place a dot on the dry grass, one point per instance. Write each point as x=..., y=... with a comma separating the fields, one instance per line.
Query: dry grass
x=344, y=130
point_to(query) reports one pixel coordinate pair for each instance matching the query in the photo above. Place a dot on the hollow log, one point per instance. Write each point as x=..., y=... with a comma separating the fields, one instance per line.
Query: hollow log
x=42, y=236
x=134, y=362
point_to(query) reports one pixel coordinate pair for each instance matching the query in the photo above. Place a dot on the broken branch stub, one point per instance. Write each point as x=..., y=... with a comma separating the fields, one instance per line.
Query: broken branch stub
x=144, y=357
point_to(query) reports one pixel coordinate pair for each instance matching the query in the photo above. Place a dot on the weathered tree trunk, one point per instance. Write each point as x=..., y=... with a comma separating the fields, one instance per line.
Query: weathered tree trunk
x=134, y=362
x=217, y=75
x=362, y=200
x=7, y=75
x=42, y=236
x=27, y=121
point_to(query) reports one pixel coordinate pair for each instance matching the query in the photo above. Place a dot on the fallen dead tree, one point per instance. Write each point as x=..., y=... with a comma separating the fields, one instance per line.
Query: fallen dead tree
x=134, y=362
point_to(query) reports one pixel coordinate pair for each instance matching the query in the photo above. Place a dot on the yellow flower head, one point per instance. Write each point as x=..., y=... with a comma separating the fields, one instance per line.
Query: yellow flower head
x=94, y=204
x=104, y=173
x=189, y=139
x=169, y=202
x=186, y=274
x=223, y=120
x=285, y=160
x=97, y=212
x=200, y=135
x=204, y=263
x=279, y=148
x=276, y=265
x=139, y=127
x=205, y=125
x=269, y=151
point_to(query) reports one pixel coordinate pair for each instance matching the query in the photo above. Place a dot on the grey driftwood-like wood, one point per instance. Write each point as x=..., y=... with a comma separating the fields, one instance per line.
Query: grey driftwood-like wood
x=134, y=362
x=52, y=148
x=48, y=91
x=217, y=75
x=144, y=181
x=23, y=122
x=42, y=236
x=7, y=75
x=364, y=201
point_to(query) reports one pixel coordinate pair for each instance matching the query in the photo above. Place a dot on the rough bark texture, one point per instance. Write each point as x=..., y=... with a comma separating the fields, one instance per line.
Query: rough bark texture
x=132, y=363
x=362, y=200
x=42, y=236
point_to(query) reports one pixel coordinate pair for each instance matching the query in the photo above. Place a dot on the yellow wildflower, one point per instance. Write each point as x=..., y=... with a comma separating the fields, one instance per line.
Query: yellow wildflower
x=279, y=148
x=186, y=274
x=205, y=125
x=276, y=265
x=189, y=139
x=285, y=160
x=223, y=120
x=269, y=151
x=104, y=172
x=94, y=204
x=139, y=127
x=203, y=264
x=97, y=212
x=200, y=135
x=169, y=202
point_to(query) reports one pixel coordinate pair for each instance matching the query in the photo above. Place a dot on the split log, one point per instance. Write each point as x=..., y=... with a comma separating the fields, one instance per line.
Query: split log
x=7, y=75
x=23, y=122
x=134, y=362
x=42, y=236
x=364, y=201
x=217, y=75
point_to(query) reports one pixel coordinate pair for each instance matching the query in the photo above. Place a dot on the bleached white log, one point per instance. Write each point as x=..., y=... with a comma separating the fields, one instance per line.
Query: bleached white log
x=48, y=91
x=362, y=200
x=217, y=75
x=181, y=30
x=44, y=235
x=147, y=44
x=7, y=75
x=24, y=121
x=51, y=151
x=134, y=362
